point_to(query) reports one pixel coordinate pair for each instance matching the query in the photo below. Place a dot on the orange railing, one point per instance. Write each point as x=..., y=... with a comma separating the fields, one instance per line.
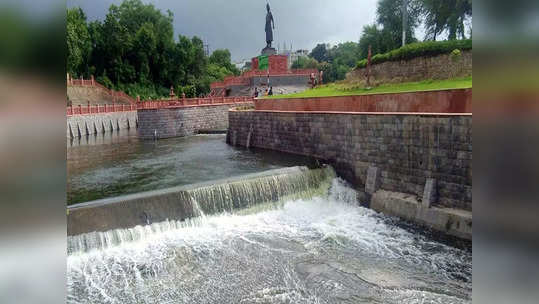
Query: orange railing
x=189, y=102
x=156, y=104
x=94, y=109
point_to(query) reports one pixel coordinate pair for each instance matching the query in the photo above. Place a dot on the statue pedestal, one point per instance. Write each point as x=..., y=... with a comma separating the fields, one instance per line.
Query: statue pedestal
x=269, y=51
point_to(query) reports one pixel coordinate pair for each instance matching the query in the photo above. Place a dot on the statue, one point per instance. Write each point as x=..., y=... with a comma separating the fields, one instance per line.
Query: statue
x=270, y=26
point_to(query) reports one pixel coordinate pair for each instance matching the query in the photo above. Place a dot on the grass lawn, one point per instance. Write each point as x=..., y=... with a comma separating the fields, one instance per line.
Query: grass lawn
x=340, y=89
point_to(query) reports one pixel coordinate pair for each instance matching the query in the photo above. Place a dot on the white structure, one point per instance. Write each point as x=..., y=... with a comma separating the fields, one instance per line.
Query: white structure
x=292, y=56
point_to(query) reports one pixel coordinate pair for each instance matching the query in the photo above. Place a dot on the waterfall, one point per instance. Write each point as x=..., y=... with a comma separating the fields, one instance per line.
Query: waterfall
x=195, y=202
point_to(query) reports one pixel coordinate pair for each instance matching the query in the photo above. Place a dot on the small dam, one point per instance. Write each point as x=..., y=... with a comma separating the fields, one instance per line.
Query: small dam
x=292, y=235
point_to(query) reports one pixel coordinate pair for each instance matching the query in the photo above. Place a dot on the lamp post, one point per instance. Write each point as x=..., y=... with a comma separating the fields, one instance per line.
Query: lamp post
x=404, y=20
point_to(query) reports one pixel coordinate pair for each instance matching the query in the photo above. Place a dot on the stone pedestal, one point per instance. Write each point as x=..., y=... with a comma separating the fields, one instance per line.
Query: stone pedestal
x=269, y=51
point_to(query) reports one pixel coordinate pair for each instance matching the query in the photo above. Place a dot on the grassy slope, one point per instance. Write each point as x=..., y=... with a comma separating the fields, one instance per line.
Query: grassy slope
x=334, y=89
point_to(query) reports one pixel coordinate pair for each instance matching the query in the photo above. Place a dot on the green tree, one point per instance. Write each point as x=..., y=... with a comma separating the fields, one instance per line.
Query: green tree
x=78, y=42
x=446, y=15
x=133, y=49
x=305, y=62
x=320, y=52
x=389, y=16
x=379, y=41
x=221, y=58
x=344, y=54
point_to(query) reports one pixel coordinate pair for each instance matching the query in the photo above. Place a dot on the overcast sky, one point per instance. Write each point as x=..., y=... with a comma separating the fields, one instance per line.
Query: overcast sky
x=238, y=25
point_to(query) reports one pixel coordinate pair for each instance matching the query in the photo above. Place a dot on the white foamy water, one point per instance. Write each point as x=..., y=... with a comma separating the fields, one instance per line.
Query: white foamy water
x=321, y=250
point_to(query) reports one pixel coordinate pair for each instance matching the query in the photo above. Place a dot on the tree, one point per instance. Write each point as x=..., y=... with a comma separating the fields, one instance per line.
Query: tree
x=304, y=62
x=221, y=57
x=344, y=54
x=379, y=40
x=389, y=16
x=78, y=41
x=133, y=49
x=320, y=52
x=446, y=15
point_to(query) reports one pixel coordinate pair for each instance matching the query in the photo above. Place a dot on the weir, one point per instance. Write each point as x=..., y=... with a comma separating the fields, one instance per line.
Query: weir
x=108, y=222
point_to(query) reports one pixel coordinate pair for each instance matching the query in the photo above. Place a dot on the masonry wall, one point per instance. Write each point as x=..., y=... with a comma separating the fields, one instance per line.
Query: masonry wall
x=417, y=69
x=87, y=124
x=408, y=148
x=182, y=121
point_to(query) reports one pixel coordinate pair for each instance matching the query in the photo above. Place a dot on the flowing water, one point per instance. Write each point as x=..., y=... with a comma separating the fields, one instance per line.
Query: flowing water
x=323, y=248
x=113, y=164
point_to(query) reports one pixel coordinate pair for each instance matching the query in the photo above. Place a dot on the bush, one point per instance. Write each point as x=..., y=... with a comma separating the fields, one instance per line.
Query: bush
x=413, y=50
x=455, y=55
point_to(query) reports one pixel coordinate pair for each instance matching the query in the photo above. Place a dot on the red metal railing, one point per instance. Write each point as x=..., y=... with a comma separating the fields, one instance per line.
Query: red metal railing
x=189, y=102
x=156, y=104
x=94, y=109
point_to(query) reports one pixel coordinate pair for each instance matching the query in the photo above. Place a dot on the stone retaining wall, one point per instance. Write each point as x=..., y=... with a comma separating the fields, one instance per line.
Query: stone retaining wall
x=87, y=124
x=401, y=151
x=417, y=69
x=182, y=121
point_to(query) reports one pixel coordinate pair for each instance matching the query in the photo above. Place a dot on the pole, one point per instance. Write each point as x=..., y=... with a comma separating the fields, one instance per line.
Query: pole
x=404, y=20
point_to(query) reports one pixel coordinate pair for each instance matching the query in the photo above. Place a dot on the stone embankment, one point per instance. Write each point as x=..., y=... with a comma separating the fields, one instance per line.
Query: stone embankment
x=442, y=66
x=97, y=123
x=414, y=165
x=169, y=122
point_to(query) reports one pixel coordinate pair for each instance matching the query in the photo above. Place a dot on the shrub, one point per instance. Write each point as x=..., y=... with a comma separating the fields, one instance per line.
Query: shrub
x=413, y=50
x=455, y=55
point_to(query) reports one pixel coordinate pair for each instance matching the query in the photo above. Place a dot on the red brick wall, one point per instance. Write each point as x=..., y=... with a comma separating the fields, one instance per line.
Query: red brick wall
x=278, y=63
x=254, y=63
x=443, y=101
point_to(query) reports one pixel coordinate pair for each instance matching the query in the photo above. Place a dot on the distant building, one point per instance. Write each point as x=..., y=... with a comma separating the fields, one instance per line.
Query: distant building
x=293, y=55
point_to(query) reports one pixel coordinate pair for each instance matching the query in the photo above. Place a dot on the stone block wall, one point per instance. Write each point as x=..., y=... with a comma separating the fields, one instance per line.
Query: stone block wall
x=87, y=124
x=182, y=121
x=406, y=148
x=416, y=69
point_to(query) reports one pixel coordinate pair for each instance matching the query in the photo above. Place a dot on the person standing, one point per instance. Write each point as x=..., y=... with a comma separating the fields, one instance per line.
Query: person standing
x=270, y=91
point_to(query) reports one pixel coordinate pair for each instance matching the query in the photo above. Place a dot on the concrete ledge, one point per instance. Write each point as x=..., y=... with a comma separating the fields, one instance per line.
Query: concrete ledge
x=454, y=222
